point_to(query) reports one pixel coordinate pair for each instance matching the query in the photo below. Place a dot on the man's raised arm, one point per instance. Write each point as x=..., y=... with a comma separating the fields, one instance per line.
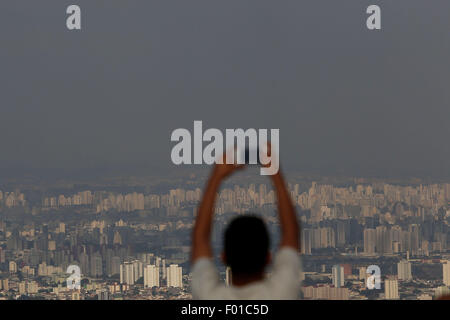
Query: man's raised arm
x=290, y=229
x=201, y=236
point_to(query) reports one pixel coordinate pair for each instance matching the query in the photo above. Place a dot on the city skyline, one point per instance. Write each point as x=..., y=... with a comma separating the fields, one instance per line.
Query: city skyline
x=94, y=207
x=126, y=243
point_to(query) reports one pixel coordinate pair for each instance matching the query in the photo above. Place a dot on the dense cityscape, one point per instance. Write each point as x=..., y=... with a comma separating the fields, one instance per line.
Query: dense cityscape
x=131, y=237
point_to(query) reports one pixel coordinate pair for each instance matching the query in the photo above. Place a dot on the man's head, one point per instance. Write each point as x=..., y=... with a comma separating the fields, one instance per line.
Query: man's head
x=246, y=249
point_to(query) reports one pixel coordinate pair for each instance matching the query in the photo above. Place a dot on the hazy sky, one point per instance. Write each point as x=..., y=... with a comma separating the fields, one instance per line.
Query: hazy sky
x=345, y=99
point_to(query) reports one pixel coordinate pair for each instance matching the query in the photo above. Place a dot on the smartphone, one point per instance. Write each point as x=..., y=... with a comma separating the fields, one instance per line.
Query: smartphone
x=243, y=156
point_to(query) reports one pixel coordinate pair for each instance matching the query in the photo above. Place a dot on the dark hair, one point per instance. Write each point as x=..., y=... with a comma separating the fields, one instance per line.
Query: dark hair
x=246, y=245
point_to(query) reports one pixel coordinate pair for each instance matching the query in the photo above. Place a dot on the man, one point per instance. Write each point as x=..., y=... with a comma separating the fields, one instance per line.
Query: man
x=246, y=249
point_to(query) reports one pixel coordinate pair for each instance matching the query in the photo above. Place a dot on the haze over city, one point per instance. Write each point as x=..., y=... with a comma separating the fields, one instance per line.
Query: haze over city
x=106, y=98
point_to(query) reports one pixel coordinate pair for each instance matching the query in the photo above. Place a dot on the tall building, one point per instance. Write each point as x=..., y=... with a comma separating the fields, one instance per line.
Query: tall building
x=404, y=270
x=151, y=276
x=362, y=273
x=338, y=276
x=115, y=265
x=341, y=233
x=391, y=289
x=127, y=273
x=228, y=277
x=383, y=240
x=138, y=268
x=5, y=284
x=415, y=238
x=96, y=265
x=12, y=267
x=370, y=237
x=2, y=255
x=174, y=276
x=84, y=263
x=306, y=243
x=164, y=269
x=446, y=273
x=22, y=287
x=117, y=240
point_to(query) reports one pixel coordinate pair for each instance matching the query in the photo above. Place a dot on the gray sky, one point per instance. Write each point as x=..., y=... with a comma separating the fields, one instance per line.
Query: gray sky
x=345, y=99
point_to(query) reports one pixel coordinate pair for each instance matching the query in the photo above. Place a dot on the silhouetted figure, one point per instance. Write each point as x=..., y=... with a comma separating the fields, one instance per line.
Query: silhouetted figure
x=246, y=249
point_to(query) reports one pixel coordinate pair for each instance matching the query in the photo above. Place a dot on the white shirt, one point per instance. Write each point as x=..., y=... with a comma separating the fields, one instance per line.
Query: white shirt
x=282, y=284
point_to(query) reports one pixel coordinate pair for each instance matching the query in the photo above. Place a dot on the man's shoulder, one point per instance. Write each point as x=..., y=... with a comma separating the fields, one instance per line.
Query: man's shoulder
x=202, y=262
x=287, y=253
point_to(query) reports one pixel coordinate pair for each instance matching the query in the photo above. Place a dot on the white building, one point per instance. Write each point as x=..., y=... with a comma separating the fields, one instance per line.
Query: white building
x=138, y=268
x=370, y=237
x=228, y=277
x=127, y=273
x=404, y=270
x=151, y=276
x=174, y=276
x=391, y=289
x=338, y=276
x=12, y=267
x=446, y=273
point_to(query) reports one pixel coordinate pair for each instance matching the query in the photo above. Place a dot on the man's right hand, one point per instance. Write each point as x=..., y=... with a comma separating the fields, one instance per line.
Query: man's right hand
x=223, y=170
